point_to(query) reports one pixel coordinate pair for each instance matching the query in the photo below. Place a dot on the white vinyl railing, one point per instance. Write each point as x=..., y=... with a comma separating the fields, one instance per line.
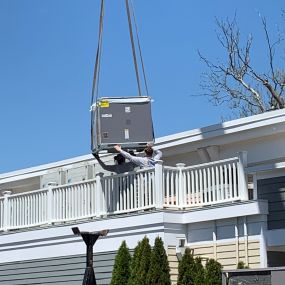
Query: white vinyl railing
x=71, y=202
x=160, y=187
x=27, y=209
x=1, y=213
x=128, y=192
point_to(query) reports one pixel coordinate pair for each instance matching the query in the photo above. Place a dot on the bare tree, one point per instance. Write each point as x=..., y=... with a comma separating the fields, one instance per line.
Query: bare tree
x=236, y=81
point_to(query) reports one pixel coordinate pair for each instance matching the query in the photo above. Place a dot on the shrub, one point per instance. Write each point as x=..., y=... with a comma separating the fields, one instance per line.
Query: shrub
x=186, y=269
x=158, y=273
x=213, y=272
x=140, y=263
x=241, y=265
x=121, y=270
x=199, y=274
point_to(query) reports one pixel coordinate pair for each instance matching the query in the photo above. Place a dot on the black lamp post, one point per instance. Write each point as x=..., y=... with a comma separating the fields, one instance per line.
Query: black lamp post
x=89, y=238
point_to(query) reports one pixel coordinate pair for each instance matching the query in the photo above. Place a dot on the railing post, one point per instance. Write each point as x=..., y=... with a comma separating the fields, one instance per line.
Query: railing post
x=6, y=220
x=159, y=191
x=242, y=177
x=180, y=191
x=49, y=202
x=100, y=203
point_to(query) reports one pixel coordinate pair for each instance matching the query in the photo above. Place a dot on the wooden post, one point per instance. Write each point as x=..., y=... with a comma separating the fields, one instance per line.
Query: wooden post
x=50, y=205
x=159, y=191
x=7, y=208
x=100, y=201
x=242, y=177
x=180, y=192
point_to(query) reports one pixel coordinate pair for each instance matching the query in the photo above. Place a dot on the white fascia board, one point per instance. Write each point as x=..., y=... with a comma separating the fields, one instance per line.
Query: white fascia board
x=265, y=167
x=230, y=127
x=240, y=210
x=121, y=223
x=218, y=213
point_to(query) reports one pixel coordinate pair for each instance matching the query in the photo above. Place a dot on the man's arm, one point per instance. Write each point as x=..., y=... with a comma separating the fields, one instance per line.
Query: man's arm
x=140, y=161
x=157, y=154
x=103, y=165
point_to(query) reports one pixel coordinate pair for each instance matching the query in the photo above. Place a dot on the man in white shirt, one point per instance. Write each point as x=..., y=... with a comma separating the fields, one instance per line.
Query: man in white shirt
x=149, y=160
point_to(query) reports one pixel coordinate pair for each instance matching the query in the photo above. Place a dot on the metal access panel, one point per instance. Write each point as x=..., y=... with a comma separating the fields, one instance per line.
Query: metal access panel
x=126, y=121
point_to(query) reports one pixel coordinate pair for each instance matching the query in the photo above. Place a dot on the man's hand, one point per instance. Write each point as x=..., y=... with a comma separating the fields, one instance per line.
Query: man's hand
x=117, y=148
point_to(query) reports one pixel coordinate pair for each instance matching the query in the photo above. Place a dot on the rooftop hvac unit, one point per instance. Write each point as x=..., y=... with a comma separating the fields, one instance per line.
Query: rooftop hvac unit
x=125, y=121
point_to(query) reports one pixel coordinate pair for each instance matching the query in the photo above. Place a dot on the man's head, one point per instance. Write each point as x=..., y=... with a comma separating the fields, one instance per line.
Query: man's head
x=148, y=151
x=120, y=159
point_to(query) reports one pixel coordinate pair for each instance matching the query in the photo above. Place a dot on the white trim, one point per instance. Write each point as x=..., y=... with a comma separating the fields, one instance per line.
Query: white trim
x=224, y=212
x=238, y=125
x=263, y=248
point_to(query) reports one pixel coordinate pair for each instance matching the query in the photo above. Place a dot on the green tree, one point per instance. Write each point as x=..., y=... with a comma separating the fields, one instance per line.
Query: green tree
x=213, y=272
x=135, y=264
x=140, y=264
x=186, y=269
x=158, y=273
x=121, y=270
x=144, y=262
x=199, y=274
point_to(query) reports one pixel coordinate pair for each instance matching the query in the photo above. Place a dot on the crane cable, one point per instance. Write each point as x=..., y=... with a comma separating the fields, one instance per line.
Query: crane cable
x=139, y=46
x=95, y=85
x=96, y=75
x=133, y=46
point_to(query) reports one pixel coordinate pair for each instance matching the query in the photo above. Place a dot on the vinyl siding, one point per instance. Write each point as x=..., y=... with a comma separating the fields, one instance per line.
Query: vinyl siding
x=57, y=271
x=273, y=190
x=226, y=253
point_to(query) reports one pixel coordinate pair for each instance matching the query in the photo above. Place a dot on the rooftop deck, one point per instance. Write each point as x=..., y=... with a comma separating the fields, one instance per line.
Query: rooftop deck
x=178, y=187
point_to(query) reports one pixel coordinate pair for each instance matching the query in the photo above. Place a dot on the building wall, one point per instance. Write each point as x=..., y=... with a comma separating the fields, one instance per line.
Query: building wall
x=56, y=271
x=273, y=190
x=228, y=254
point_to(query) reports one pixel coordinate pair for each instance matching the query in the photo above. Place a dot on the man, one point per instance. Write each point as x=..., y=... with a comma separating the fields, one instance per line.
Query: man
x=120, y=166
x=149, y=160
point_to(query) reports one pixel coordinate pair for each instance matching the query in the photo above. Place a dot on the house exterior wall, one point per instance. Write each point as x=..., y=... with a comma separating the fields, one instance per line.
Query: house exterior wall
x=57, y=271
x=273, y=190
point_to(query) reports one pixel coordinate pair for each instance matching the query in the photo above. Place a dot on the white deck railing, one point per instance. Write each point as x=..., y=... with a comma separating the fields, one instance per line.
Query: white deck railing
x=177, y=187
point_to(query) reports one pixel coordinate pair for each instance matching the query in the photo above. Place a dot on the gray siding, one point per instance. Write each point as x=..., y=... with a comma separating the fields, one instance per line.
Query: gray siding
x=276, y=258
x=273, y=190
x=56, y=271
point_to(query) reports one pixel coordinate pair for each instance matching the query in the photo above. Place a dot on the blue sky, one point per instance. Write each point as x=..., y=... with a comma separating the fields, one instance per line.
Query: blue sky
x=47, y=53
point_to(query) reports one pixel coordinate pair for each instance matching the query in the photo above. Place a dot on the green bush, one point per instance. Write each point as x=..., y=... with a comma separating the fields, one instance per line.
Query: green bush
x=140, y=263
x=199, y=274
x=135, y=264
x=158, y=273
x=213, y=272
x=241, y=265
x=186, y=269
x=121, y=270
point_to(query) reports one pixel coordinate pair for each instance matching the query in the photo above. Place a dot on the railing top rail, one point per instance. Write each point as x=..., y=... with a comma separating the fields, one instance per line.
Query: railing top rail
x=207, y=164
x=28, y=193
x=144, y=170
x=74, y=184
x=171, y=168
